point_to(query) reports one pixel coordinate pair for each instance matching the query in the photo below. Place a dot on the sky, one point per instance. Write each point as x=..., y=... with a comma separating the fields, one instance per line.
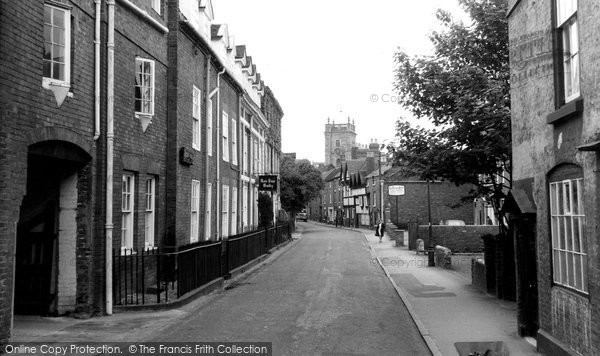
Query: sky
x=332, y=58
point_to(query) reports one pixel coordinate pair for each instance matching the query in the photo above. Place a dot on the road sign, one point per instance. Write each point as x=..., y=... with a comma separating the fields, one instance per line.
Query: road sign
x=396, y=190
x=267, y=183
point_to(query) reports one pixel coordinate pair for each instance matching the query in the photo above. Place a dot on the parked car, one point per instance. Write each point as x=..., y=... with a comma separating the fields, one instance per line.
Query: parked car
x=302, y=216
x=454, y=223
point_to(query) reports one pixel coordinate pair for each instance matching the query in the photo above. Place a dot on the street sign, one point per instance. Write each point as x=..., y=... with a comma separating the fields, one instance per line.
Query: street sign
x=396, y=190
x=267, y=183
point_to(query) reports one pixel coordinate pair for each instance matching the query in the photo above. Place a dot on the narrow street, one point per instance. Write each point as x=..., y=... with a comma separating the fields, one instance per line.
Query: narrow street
x=325, y=296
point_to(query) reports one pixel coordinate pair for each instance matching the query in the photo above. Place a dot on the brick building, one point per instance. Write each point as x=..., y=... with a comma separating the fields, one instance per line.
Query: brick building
x=554, y=201
x=144, y=107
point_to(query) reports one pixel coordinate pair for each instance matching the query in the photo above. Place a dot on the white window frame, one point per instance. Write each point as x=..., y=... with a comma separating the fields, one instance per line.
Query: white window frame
x=245, y=198
x=234, y=153
x=209, y=127
x=225, y=129
x=254, y=155
x=194, y=211
x=196, y=117
x=142, y=61
x=208, y=213
x=46, y=81
x=150, y=214
x=255, y=206
x=246, y=161
x=225, y=211
x=156, y=6
x=566, y=22
x=234, y=208
x=569, y=250
x=127, y=211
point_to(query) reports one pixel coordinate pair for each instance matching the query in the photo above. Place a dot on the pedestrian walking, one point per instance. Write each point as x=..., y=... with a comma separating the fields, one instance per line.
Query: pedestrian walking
x=380, y=230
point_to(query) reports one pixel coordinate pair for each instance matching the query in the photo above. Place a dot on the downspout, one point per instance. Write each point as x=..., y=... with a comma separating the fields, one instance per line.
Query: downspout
x=97, y=71
x=240, y=160
x=110, y=87
x=217, y=91
x=206, y=156
x=250, y=175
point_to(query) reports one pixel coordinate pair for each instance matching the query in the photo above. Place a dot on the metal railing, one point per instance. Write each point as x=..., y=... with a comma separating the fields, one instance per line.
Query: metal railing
x=152, y=276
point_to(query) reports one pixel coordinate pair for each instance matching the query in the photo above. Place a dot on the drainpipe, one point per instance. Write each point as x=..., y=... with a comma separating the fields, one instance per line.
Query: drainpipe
x=250, y=175
x=217, y=91
x=97, y=71
x=240, y=160
x=110, y=87
x=206, y=156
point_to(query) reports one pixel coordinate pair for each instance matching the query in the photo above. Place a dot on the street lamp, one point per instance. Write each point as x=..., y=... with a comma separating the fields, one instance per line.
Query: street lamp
x=380, y=187
x=381, y=183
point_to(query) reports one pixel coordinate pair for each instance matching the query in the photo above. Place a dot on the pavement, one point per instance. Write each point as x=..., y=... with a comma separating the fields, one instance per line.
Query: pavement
x=444, y=304
x=130, y=326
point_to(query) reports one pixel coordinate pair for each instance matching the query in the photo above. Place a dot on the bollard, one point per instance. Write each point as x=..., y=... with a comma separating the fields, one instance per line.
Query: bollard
x=431, y=256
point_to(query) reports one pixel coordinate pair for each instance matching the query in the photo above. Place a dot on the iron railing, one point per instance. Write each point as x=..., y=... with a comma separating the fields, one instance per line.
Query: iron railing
x=152, y=276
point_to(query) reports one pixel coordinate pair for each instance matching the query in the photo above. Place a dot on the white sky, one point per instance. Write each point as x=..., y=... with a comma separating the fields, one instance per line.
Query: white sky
x=327, y=58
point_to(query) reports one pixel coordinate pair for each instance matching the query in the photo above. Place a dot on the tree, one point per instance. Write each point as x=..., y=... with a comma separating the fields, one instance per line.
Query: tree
x=300, y=183
x=464, y=90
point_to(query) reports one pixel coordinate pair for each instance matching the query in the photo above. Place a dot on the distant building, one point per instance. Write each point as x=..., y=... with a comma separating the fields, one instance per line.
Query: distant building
x=291, y=155
x=339, y=140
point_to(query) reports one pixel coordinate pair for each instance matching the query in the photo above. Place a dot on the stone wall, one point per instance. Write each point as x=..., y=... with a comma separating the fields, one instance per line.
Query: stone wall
x=442, y=257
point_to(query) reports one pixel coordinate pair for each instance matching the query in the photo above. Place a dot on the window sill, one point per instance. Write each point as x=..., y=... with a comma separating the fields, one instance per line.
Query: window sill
x=139, y=115
x=571, y=290
x=50, y=84
x=568, y=110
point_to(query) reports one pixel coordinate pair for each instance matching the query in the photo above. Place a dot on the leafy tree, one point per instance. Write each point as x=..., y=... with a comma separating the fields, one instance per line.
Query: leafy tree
x=265, y=210
x=300, y=182
x=463, y=89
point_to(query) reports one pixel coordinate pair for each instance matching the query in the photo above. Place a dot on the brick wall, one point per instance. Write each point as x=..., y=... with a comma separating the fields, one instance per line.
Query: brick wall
x=412, y=206
x=190, y=71
x=459, y=239
x=30, y=114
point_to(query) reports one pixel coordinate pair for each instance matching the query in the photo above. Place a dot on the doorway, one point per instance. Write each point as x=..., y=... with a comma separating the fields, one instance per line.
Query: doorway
x=45, y=264
x=527, y=289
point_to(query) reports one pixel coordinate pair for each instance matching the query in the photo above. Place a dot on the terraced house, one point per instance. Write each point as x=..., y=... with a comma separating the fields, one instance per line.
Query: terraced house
x=129, y=128
x=555, y=133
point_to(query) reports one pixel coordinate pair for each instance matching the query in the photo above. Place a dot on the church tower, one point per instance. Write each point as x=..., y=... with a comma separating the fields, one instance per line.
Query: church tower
x=339, y=140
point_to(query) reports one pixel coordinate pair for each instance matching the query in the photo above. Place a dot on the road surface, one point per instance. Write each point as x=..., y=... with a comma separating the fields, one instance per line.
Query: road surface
x=324, y=296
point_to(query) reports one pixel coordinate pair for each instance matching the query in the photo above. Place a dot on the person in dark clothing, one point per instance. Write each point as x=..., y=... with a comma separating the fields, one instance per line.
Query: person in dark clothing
x=380, y=230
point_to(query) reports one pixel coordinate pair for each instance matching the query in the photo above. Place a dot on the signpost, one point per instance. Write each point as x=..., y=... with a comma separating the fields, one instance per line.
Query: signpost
x=396, y=190
x=267, y=183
